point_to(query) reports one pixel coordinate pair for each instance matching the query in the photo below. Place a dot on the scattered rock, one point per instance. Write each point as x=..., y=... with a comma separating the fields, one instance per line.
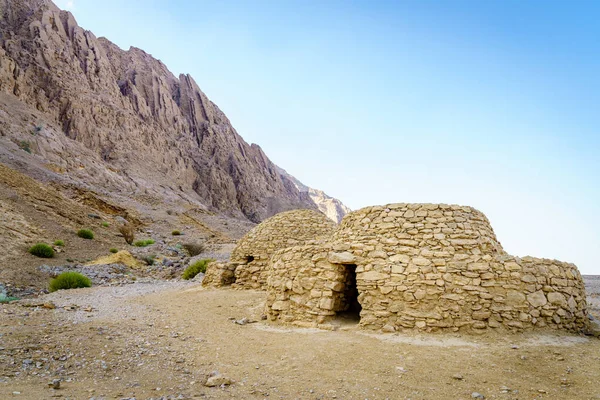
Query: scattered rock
x=218, y=380
x=55, y=384
x=458, y=377
x=199, y=277
x=477, y=395
x=594, y=328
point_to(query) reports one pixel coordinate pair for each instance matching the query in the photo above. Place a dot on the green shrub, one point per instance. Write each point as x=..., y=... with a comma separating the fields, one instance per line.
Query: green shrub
x=7, y=299
x=113, y=250
x=194, y=248
x=144, y=243
x=42, y=250
x=176, y=233
x=69, y=280
x=149, y=259
x=24, y=145
x=59, y=243
x=105, y=224
x=194, y=269
x=85, y=233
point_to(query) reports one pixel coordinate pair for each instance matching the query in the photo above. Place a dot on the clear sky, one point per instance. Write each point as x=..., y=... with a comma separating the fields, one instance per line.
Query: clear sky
x=493, y=104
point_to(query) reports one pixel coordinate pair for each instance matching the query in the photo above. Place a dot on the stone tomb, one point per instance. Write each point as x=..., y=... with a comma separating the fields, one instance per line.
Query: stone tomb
x=426, y=267
x=249, y=260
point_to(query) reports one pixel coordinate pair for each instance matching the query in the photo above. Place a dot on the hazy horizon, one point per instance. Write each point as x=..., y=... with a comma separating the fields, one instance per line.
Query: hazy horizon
x=492, y=105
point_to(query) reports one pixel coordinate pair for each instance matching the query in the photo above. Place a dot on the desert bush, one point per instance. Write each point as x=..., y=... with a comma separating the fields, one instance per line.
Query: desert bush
x=105, y=224
x=85, y=234
x=42, y=250
x=7, y=299
x=69, y=280
x=144, y=243
x=114, y=250
x=176, y=233
x=24, y=145
x=149, y=259
x=194, y=248
x=195, y=268
x=59, y=243
x=127, y=232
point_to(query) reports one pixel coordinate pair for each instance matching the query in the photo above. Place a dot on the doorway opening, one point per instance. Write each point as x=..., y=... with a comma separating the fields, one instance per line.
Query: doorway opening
x=351, y=308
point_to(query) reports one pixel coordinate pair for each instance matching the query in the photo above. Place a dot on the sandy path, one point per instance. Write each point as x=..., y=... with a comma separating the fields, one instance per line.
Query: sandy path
x=163, y=339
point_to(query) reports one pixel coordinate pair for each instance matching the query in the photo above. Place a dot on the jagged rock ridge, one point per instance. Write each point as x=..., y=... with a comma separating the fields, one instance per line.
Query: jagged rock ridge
x=146, y=129
x=330, y=206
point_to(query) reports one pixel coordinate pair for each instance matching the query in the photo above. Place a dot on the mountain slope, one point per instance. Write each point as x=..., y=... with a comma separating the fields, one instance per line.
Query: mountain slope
x=121, y=121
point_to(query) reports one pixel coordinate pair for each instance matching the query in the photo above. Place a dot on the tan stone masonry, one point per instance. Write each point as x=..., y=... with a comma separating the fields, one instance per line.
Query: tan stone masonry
x=426, y=267
x=248, y=263
x=423, y=266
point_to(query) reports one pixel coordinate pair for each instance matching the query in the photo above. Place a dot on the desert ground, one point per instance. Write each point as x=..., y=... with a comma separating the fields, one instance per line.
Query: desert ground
x=164, y=339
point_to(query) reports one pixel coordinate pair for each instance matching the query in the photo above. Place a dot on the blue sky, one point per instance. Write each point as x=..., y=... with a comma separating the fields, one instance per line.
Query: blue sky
x=494, y=104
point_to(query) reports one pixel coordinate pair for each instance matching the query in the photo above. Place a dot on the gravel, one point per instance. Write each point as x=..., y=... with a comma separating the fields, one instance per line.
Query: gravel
x=99, y=274
x=106, y=302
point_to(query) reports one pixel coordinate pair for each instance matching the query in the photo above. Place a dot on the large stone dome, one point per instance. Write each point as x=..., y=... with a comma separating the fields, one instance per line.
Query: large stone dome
x=282, y=230
x=432, y=226
x=249, y=260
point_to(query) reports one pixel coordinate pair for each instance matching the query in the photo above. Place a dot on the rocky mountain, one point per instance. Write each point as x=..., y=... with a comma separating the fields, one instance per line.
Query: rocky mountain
x=121, y=122
x=332, y=207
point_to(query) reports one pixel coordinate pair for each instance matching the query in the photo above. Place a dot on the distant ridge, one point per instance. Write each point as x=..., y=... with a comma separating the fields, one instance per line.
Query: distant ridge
x=332, y=207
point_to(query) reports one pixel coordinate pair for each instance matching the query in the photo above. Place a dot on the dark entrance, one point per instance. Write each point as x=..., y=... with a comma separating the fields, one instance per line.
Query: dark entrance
x=351, y=307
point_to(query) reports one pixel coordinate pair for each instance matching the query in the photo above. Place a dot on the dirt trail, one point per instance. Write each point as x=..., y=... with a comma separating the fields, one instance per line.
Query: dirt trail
x=148, y=340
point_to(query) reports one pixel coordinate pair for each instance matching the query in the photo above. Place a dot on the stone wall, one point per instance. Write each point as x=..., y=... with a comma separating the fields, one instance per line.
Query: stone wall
x=219, y=274
x=427, y=267
x=249, y=259
x=304, y=288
